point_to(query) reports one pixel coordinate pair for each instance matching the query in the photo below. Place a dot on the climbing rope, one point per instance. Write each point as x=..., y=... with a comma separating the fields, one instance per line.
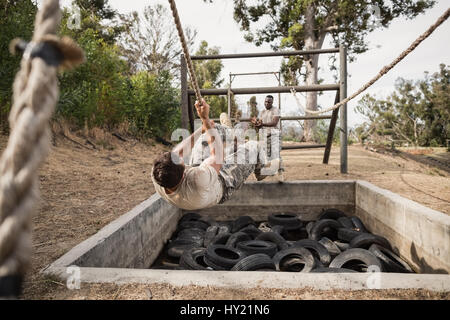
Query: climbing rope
x=187, y=56
x=34, y=99
x=387, y=68
x=297, y=100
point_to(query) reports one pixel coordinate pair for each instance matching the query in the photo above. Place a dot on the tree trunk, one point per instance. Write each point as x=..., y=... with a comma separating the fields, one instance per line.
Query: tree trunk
x=312, y=64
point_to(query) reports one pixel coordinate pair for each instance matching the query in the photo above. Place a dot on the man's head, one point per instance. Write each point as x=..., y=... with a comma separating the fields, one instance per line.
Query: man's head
x=268, y=102
x=168, y=170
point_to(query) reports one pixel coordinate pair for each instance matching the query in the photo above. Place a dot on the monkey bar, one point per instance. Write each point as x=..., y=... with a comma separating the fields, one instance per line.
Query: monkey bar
x=187, y=113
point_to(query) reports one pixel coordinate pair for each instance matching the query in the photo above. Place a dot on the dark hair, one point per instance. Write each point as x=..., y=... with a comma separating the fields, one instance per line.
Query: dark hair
x=167, y=170
x=269, y=96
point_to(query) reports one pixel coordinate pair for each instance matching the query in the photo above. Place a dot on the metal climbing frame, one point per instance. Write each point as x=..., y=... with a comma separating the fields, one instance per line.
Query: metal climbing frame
x=277, y=75
x=187, y=113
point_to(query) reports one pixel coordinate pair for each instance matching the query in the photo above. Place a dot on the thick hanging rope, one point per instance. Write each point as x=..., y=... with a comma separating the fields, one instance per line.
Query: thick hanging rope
x=34, y=99
x=297, y=100
x=187, y=56
x=387, y=68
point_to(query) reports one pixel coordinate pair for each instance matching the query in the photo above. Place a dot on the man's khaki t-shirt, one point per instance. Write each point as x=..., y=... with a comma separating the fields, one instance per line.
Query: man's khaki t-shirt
x=268, y=115
x=200, y=188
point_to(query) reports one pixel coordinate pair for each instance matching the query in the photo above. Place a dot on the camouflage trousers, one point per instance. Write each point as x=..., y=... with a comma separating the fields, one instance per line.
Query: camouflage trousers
x=273, y=146
x=234, y=171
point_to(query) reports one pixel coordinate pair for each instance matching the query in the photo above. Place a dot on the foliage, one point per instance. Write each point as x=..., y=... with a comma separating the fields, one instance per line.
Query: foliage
x=150, y=41
x=16, y=20
x=103, y=92
x=417, y=112
x=208, y=77
x=154, y=105
x=253, y=104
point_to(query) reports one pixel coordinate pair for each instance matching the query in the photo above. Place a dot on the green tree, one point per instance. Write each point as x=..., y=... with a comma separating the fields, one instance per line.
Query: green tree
x=208, y=73
x=435, y=107
x=154, y=109
x=99, y=16
x=304, y=24
x=150, y=41
x=418, y=112
x=91, y=95
x=16, y=21
x=253, y=107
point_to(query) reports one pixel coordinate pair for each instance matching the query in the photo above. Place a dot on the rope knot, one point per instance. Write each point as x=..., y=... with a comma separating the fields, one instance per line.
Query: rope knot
x=63, y=53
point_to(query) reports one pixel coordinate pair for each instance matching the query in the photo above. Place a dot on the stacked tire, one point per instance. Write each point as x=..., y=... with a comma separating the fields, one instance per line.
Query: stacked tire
x=334, y=242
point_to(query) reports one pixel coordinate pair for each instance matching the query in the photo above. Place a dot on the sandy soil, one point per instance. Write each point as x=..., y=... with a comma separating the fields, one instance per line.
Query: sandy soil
x=84, y=188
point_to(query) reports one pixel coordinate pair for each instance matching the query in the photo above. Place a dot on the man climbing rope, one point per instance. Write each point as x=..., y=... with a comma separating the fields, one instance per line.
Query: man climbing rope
x=269, y=127
x=215, y=179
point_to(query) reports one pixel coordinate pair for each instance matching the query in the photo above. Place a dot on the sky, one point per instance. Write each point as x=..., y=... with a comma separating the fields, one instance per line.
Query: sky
x=215, y=24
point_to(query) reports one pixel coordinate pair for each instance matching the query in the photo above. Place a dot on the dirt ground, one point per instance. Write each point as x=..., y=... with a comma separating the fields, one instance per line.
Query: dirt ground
x=87, y=183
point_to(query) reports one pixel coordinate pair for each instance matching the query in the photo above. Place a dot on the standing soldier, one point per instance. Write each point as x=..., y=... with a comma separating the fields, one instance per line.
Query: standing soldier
x=270, y=119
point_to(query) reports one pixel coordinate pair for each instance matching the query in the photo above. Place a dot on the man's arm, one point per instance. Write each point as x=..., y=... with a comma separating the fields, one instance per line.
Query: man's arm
x=274, y=122
x=215, y=159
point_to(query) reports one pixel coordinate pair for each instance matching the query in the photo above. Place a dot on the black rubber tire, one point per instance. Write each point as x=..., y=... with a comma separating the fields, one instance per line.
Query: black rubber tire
x=331, y=213
x=297, y=252
x=309, y=226
x=224, y=229
x=212, y=266
x=241, y=222
x=220, y=239
x=332, y=270
x=190, y=216
x=191, y=239
x=185, y=241
x=365, y=240
x=210, y=234
x=347, y=235
x=226, y=224
x=277, y=229
x=316, y=248
x=251, y=230
x=295, y=235
x=275, y=238
x=257, y=246
x=177, y=251
x=193, y=259
x=191, y=232
x=342, y=245
x=345, y=222
x=254, y=262
x=358, y=224
x=356, y=256
x=223, y=256
x=332, y=248
x=318, y=230
x=237, y=237
x=390, y=261
x=287, y=220
x=294, y=264
x=193, y=224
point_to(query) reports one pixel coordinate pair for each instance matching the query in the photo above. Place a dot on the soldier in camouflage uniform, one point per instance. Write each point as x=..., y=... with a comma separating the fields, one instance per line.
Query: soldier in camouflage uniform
x=240, y=160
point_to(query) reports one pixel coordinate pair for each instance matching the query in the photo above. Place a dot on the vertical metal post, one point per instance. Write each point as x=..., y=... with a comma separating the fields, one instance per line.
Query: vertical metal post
x=184, y=94
x=279, y=103
x=229, y=99
x=191, y=114
x=343, y=109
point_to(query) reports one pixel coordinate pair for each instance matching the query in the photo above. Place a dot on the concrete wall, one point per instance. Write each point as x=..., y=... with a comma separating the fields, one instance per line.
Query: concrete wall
x=419, y=234
x=132, y=241
x=306, y=198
